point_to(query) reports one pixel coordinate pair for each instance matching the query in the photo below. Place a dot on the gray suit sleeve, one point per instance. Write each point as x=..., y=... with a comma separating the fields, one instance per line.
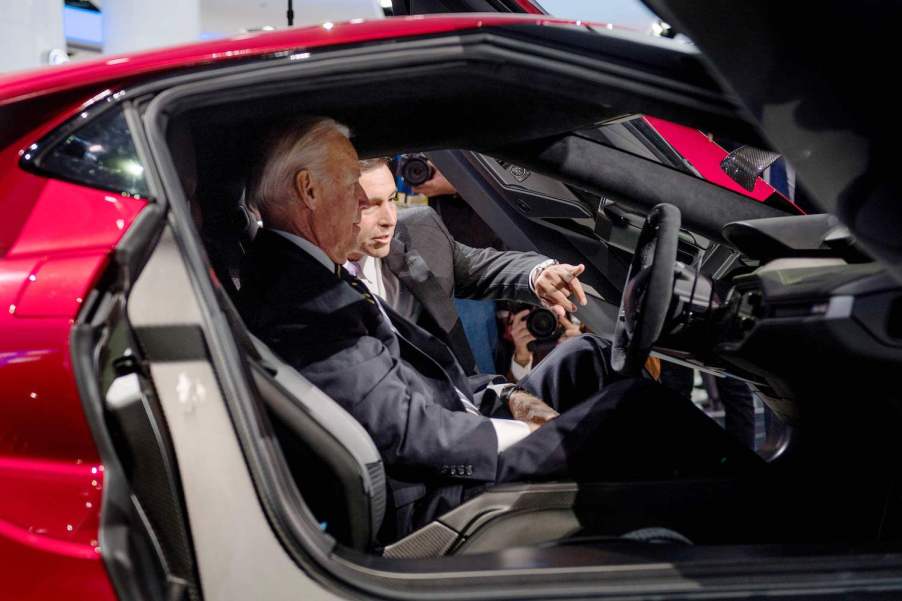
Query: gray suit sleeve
x=478, y=273
x=394, y=405
x=488, y=273
x=481, y=273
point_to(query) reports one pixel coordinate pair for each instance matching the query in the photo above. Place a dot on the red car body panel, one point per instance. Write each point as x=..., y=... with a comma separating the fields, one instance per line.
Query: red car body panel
x=55, y=241
x=706, y=156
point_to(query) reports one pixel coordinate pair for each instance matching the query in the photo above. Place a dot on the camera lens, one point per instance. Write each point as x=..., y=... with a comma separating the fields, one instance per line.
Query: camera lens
x=416, y=171
x=542, y=323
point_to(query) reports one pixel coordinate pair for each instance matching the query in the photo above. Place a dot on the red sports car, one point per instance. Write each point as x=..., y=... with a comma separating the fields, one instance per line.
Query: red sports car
x=152, y=448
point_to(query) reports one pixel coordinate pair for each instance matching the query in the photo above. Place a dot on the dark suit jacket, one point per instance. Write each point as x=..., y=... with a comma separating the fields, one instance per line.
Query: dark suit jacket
x=435, y=268
x=399, y=386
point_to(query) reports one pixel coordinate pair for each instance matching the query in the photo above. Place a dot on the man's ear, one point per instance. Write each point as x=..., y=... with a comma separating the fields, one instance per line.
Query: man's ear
x=303, y=187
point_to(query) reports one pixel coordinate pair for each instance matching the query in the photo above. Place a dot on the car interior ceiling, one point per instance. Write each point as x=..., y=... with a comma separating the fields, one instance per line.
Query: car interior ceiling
x=848, y=493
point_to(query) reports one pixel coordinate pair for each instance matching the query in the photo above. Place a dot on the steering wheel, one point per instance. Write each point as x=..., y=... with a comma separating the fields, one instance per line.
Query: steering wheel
x=647, y=292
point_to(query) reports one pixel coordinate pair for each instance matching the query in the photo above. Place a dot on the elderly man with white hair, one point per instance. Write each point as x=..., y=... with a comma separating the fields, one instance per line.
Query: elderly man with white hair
x=424, y=414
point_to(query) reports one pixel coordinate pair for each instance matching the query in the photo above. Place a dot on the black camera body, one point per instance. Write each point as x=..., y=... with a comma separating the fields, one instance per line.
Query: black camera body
x=414, y=168
x=541, y=322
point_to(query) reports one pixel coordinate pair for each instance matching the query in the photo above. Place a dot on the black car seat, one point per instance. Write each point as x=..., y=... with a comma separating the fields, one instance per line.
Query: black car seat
x=335, y=464
x=229, y=226
x=341, y=477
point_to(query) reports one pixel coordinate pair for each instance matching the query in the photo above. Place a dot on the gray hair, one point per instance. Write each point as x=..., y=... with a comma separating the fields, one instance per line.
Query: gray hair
x=299, y=145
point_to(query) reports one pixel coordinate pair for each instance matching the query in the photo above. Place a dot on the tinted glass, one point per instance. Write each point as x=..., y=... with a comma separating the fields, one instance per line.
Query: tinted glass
x=101, y=154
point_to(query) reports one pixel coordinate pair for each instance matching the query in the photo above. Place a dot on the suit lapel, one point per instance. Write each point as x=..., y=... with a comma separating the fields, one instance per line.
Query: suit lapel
x=427, y=345
x=411, y=269
x=414, y=274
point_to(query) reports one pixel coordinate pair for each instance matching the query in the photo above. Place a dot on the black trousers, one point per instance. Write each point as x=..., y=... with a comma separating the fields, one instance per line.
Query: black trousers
x=612, y=428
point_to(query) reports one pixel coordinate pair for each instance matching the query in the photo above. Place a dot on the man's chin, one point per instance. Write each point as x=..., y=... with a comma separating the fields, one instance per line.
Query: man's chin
x=379, y=253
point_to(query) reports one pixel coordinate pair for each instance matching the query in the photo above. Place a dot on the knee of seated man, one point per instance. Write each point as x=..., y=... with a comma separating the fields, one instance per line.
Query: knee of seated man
x=596, y=343
x=585, y=345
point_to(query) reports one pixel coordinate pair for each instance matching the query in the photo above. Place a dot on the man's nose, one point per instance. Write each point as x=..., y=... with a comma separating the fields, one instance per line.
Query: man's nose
x=388, y=216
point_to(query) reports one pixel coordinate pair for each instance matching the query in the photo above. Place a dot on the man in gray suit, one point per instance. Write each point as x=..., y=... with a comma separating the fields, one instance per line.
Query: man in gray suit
x=413, y=263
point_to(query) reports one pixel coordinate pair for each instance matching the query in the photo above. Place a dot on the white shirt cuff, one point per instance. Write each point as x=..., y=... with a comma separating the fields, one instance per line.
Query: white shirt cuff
x=518, y=372
x=509, y=432
x=534, y=274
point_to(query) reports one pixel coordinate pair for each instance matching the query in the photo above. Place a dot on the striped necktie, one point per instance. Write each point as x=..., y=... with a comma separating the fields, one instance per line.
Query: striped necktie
x=355, y=283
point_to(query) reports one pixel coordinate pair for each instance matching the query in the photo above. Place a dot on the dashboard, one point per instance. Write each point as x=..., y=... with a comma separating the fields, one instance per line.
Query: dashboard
x=806, y=327
x=790, y=304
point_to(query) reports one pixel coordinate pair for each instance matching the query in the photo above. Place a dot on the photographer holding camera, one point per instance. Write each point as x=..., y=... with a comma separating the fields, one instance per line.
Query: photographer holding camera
x=529, y=333
x=465, y=225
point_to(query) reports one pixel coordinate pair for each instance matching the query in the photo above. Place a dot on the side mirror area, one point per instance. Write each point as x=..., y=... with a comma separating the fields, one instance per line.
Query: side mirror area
x=746, y=164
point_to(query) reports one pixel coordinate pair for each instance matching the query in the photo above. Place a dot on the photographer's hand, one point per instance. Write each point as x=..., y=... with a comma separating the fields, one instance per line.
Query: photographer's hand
x=571, y=330
x=556, y=283
x=521, y=337
x=437, y=186
x=531, y=410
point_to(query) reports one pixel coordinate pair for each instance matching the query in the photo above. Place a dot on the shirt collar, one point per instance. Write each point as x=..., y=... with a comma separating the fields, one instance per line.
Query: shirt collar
x=363, y=263
x=311, y=249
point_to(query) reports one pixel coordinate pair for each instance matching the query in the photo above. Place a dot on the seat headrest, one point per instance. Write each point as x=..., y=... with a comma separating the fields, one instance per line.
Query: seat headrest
x=245, y=223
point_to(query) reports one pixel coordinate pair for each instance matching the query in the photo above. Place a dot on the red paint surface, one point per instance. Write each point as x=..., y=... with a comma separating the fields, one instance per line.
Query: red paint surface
x=55, y=239
x=57, y=287
x=67, y=216
x=706, y=156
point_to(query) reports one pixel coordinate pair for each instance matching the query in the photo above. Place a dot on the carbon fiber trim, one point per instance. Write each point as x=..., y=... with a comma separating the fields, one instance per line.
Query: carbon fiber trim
x=744, y=165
